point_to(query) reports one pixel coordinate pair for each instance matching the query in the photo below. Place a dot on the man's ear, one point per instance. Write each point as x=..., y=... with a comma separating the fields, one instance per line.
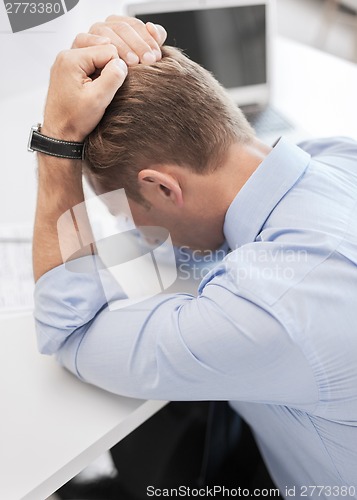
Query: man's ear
x=158, y=186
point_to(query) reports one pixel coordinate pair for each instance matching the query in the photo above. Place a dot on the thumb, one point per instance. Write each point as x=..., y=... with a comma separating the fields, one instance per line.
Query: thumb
x=110, y=80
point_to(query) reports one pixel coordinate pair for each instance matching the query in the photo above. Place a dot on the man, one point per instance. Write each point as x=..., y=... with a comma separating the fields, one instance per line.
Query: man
x=273, y=329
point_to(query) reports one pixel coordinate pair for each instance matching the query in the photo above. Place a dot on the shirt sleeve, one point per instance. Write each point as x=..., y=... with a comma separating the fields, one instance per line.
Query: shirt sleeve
x=218, y=346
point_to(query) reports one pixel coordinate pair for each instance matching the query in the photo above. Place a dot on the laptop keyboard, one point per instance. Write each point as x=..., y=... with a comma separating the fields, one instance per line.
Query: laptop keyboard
x=266, y=120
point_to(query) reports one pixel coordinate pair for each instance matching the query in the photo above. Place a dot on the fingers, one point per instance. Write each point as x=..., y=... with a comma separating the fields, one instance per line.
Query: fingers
x=91, y=58
x=83, y=40
x=119, y=39
x=110, y=80
x=135, y=41
x=140, y=42
x=75, y=101
x=140, y=28
x=113, y=71
x=158, y=32
x=130, y=44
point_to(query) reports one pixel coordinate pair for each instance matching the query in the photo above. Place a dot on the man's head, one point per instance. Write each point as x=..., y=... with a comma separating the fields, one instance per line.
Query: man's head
x=166, y=139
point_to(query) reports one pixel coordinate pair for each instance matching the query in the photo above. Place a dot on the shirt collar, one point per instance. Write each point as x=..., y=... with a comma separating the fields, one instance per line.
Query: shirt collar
x=274, y=177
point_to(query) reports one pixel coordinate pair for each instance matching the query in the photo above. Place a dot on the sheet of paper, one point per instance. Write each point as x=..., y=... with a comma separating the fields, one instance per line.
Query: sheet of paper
x=16, y=279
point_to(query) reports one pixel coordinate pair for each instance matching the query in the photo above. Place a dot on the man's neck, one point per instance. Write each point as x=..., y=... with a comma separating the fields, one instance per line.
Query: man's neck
x=215, y=192
x=241, y=162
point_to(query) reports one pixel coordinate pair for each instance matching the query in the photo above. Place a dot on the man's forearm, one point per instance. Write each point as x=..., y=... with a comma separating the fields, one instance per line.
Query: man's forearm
x=60, y=189
x=75, y=104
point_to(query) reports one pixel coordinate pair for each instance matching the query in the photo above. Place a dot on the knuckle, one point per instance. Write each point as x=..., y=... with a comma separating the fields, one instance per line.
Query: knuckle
x=109, y=50
x=122, y=25
x=102, y=31
x=137, y=22
x=96, y=28
x=61, y=62
x=63, y=57
x=112, y=18
x=79, y=39
x=112, y=49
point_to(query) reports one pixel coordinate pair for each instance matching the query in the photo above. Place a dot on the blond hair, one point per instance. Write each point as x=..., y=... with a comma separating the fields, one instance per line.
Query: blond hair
x=171, y=112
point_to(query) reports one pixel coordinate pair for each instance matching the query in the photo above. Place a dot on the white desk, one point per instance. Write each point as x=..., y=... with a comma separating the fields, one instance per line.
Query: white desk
x=315, y=89
x=52, y=425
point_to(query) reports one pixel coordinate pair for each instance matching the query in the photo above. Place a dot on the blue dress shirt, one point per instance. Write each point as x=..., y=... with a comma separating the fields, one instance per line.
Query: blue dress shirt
x=273, y=329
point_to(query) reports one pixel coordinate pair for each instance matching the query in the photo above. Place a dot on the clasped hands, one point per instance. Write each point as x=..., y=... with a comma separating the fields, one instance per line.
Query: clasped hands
x=85, y=78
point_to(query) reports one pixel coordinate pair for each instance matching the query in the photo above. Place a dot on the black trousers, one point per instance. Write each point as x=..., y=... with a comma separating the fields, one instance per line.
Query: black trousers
x=190, y=444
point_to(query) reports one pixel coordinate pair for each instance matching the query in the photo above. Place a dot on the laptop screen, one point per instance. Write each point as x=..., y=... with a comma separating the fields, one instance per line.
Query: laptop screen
x=229, y=41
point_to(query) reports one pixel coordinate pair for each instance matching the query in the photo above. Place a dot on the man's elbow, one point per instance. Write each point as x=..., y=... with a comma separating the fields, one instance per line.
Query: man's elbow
x=49, y=339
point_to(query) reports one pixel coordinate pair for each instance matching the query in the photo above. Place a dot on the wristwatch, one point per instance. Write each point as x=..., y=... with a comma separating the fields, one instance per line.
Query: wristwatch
x=54, y=147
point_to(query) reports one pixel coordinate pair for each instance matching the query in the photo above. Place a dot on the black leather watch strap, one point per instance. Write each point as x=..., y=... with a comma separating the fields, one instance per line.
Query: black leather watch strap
x=54, y=147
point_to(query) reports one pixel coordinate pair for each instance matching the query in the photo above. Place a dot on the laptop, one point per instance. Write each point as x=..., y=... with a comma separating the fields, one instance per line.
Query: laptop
x=232, y=39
